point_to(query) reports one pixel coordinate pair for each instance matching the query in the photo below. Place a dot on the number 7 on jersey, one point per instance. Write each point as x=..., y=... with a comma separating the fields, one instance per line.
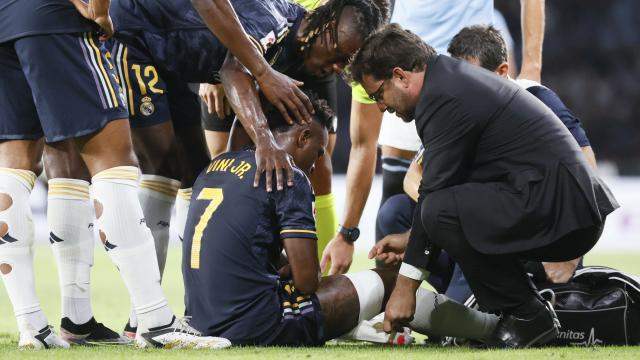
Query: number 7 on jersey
x=215, y=196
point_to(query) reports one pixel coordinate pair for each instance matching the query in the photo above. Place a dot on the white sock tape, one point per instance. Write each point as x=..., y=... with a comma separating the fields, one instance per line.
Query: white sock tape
x=370, y=289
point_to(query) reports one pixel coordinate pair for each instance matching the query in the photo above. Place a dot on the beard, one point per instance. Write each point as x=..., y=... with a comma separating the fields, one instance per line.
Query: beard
x=403, y=111
x=406, y=116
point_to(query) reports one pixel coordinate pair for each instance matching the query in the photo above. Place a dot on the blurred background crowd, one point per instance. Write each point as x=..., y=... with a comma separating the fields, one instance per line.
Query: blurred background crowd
x=591, y=59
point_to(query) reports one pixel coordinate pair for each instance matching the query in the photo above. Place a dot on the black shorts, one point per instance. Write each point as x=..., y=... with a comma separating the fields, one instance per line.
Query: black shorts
x=325, y=88
x=59, y=86
x=302, y=322
x=154, y=96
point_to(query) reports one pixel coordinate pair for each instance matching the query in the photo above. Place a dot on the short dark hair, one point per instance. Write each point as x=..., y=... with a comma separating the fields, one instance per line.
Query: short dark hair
x=390, y=47
x=323, y=113
x=482, y=42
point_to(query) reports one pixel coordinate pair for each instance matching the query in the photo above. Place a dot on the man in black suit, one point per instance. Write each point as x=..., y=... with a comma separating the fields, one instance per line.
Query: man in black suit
x=503, y=181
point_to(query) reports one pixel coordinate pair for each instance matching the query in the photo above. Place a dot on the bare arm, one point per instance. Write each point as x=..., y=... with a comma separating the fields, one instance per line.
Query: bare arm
x=282, y=91
x=98, y=12
x=364, y=130
x=590, y=156
x=532, y=18
x=303, y=260
x=412, y=180
x=242, y=95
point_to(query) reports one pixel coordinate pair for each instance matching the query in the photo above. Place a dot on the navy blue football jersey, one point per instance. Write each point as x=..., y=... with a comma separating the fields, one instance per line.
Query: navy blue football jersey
x=553, y=102
x=232, y=245
x=20, y=18
x=176, y=39
x=265, y=21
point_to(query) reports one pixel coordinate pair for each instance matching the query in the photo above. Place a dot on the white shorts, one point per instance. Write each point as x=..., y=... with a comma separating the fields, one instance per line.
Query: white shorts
x=398, y=134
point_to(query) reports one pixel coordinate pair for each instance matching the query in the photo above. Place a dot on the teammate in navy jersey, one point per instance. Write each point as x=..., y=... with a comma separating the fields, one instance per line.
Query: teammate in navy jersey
x=485, y=47
x=161, y=53
x=162, y=46
x=57, y=86
x=53, y=84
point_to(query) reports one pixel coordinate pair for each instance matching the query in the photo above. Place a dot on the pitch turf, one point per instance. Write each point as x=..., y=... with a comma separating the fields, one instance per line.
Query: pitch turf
x=111, y=306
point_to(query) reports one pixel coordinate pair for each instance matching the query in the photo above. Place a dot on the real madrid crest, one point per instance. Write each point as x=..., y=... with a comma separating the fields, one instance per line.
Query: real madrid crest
x=146, y=107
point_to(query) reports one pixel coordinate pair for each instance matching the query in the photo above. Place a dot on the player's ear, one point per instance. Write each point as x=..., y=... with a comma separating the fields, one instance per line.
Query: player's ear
x=401, y=75
x=303, y=137
x=503, y=69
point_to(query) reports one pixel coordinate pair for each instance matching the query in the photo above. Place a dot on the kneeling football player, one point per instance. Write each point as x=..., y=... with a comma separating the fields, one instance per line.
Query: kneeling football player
x=240, y=286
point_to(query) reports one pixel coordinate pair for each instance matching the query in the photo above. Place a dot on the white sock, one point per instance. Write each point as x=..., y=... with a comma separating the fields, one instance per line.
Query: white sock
x=16, y=247
x=125, y=235
x=370, y=289
x=437, y=315
x=182, y=209
x=70, y=220
x=157, y=195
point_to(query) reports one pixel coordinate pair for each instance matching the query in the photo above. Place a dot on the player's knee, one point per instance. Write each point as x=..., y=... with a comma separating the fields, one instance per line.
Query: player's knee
x=370, y=288
x=393, y=215
x=65, y=165
x=22, y=161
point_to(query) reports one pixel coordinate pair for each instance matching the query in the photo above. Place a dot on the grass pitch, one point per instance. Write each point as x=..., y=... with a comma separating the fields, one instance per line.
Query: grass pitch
x=111, y=307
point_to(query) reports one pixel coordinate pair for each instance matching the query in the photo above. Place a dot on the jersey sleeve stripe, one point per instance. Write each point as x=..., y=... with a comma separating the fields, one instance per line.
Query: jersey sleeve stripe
x=298, y=234
x=296, y=230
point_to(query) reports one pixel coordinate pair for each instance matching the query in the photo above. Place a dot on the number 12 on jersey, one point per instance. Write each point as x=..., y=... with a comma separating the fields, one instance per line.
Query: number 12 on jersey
x=215, y=196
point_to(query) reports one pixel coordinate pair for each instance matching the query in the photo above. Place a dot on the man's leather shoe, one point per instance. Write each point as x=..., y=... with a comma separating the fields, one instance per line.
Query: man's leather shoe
x=514, y=332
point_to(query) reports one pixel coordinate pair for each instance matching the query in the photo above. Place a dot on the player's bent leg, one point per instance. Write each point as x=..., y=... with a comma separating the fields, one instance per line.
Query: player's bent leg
x=108, y=148
x=193, y=152
x=157, y=196
x=157, y=150
x=18, y=161
x=128, y=241
x=437, y=315
x=395, y=163
x=348, y=299
x=70, y=220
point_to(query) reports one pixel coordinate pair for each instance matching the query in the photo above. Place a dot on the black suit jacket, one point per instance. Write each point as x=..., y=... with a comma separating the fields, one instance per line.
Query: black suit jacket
x=519, y=179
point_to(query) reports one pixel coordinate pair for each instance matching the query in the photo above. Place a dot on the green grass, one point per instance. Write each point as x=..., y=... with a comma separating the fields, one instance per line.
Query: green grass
x=111, y=306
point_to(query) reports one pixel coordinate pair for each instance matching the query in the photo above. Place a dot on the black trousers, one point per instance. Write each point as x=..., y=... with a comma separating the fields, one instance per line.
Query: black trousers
x=499, y=282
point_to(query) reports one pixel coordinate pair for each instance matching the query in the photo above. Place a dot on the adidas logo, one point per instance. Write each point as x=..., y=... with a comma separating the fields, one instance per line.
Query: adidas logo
x=53, y=239
x=109, y=246
x=7, y=239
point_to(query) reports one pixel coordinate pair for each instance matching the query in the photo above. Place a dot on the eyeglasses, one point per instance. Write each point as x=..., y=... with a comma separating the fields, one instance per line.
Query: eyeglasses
x=377, y=95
